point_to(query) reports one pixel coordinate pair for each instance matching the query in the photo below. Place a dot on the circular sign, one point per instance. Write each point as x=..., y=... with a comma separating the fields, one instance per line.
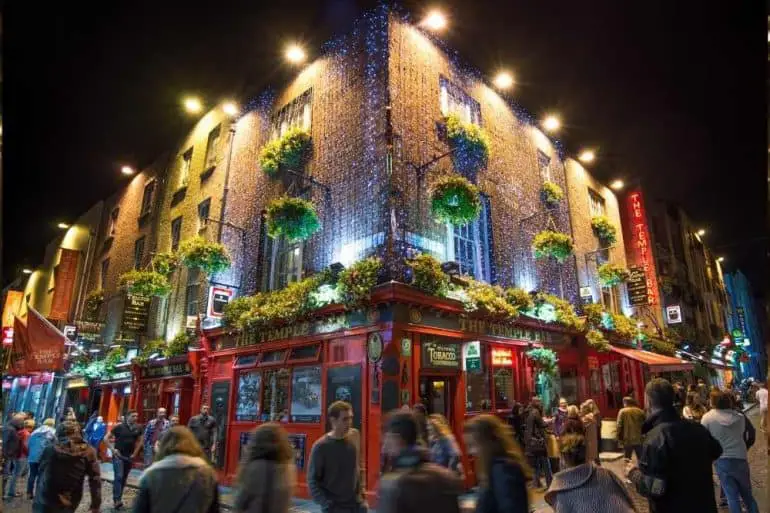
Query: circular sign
x=406, y=347
x=415, y=315
x=374, y=347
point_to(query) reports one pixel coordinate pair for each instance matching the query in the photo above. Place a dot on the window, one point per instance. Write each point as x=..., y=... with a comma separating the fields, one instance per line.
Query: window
x=176, y=233
x=103, y=273
x=286, y=263
x=306, y=394
x=247, y=399
x=454, y=100
x=192, y=299
x=184, y=171
x=305, y=353
x=113, y=225
x=149, y=189
x=471, y=245
x=138, y=252
x=503, y=388
x=211, y=148
x=477, y=390
x=275, y=399
x=596, y=204
x=544, y=165
x=296, y=113
x=203, y=213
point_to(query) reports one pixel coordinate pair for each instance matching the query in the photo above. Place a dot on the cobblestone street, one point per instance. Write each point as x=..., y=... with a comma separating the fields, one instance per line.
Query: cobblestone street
x=757, y=460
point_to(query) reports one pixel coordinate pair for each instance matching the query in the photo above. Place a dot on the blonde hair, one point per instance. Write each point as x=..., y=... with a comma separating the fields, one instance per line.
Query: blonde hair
x=49, y=422
x=573, y=411
x=29, y=423
x=440, y=425
x=178, y=440
x=495, y=440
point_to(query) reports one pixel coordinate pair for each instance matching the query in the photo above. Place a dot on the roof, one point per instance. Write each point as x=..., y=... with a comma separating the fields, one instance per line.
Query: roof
x=656, y=362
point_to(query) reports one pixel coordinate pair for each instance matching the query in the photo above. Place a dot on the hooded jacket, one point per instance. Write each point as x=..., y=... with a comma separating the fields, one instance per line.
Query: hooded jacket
x=727, y=426
x=178, y=484
x=40, y=438
x=588, y=489
x=12, y=444
x=63, y=466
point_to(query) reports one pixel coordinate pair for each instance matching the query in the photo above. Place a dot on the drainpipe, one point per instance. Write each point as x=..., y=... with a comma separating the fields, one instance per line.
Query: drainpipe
x=227, y=182
x=84, y=274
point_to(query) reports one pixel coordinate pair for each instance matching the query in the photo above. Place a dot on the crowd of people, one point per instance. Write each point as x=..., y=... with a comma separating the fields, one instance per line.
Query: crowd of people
x=670, y=451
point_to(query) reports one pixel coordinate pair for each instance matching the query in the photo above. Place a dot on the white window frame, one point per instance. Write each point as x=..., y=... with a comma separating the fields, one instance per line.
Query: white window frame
x=113, y=222
x=453, y=100
x=212, y=147
x=296, y=113
x=203, y=222
x=596, y=204
x=278, y=250
x=184, y=169
x=544, y=165
x=193, y=282
x=482, y=267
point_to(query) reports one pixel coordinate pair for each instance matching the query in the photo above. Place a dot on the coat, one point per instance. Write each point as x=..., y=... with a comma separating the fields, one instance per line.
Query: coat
x=592, y=438
x=573, y=425
x=265, y=487
x=445, y=452
x=178, y=484
x=415, y=485
x=588, y=489
x=675, y=468
x=505, y=490
x=40, y=438
x=629, y=428
x=63, y=466
x=534, y=431
x=12, y=444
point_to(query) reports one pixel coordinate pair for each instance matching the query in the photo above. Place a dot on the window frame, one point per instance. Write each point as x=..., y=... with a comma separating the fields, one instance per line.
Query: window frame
x=192, y=274
x=482, y=243
x=113, y=223
x=139, y=251
x=203, y=223
x=147, y=201
x=185, y=168
x=594, y=198
x=451, y=95
x=104, y=270
x=212, y=148
x=544, y=165
x=176, y=234
x=275, y=262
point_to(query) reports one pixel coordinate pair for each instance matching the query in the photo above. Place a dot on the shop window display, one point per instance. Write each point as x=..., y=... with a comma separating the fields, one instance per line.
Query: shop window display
x=275, y=399
x=478, y=396
x=247, y=405
x=503, y=388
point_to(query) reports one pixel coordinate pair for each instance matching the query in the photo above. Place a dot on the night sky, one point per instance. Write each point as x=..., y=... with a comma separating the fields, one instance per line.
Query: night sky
x=673, y=95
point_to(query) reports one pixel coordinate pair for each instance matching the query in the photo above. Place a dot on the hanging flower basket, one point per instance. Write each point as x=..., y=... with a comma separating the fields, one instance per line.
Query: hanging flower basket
x=94, y=302
x=604, y=230
x=551, y=244
x=612, y=274
x=551, y=194
x=470, y=144
x=357, y=281
x=544, y=360
x=455, y=200
x=428, y=276
x=597, y=340
x=165, y=263
x=289, y=151
x=209, y=257
x=293, y=218
x=145, y=283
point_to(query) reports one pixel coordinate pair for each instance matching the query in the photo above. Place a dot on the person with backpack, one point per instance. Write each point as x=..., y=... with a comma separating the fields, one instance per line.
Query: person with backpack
x=63, y=466
x=12, y=451
x=40, y=438
x=180, y=480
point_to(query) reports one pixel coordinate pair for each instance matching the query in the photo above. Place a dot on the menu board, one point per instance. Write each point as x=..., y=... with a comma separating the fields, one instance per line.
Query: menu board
x=136, y=311
x=637, y=286
x=344, y=384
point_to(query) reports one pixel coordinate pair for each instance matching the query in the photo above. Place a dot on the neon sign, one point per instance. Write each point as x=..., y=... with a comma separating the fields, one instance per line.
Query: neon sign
x=639, y=243
x=502, y=357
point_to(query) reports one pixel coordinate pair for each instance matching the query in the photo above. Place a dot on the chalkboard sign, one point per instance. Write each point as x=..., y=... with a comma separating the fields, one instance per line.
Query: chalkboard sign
x=136, y=310
x=344, y=384
x=220, y=393
x=637, y=286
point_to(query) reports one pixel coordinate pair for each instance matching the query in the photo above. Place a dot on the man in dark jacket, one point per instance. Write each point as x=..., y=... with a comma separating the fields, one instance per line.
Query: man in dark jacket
x=204, y=427
x=414, y=485
x=674, y=470
x=11, y=446
x=62, y=469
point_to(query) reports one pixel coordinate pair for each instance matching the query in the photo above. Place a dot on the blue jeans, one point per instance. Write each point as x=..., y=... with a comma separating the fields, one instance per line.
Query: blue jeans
x=541, y=465
x=121, y=467
x=18, y=469
x=734, y=476
x=149, y=455
x=8, y=466
x=33, y=475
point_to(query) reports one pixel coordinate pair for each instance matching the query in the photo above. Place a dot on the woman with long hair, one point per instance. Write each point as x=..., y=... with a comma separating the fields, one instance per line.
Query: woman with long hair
x=591, y=431
x=444, y=450
x=180, y=480
x=500, y=466
x=266, y=476
x=693, y=409
x=573, y=425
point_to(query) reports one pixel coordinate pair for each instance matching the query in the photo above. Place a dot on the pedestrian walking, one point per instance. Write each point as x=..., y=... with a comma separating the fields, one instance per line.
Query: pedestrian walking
x=21, y=467
x=415, y=484
x=582, y=487
x=153, y=431
x=421, y=414
x=180, y=480
x=12, y=451
x=500, y=466
x=761, y=397
x=69, y=416
x=729, y=428
x=591, y=428
x=40, y=438
x=204, y=427
x=693, y=409
x=267, y=476
x=674, y=472
x=173, y=420
x=334, y=475
x=517, y=420
x=63, y=466
x=125, y=449
x=629, y=427
x=573, y=425
x=535, y=443
x=444, y=450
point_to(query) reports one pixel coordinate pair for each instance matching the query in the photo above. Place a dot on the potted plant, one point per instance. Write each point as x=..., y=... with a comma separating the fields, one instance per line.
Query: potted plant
x=209, y=257
x=469, y=142
x=544, y=360
x=165, y=263
x=455, y=200
x=293, y=218
x=604, y=230
x=552, y=244
x=612, y=274
x=290, y=151
x=357, y=281
x=428, y=276
x=145, y=283
x=93, y=304
x=551, y=194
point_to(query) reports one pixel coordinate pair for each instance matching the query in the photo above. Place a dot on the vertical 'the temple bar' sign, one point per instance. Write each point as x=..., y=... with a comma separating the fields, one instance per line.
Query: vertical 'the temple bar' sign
x=639, y=243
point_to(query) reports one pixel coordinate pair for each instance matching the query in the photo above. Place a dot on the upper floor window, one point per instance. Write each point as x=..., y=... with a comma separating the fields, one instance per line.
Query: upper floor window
x=544, y=166
x=138, y=252
x=296, y=113
x=596, y=204
x=454, y=100
x=103, y=273
x=286, y=264
x=203, y=213
x=149, y=190
x=471, y=245
x=211, y=147
x=113, y=225
x=192, y=293
x=184, y=170
x=176, y=233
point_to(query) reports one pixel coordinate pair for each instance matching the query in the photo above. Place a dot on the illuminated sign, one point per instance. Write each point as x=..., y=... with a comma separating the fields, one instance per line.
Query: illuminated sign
x=501, y=357
x=639, y=243
x=674, y=314
x=472, y=356
x=219, y=296
x=12, y=307
x=8, y=336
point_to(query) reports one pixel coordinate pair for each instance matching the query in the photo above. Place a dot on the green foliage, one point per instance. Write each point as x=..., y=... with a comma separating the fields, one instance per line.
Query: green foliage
x=597, y=340
x=659, y=346
x=520, y=299
x=151, y=347
x=491, y=299
x=551, y=194
x=428, y=276
x=594, y=314
x=624, y=327
x=544, y=360
x=179, y=344
x=551, y=244
x=289, y=151
x=145, y=283
x=563, y=309
x=91, y=370
x=604, y=230
x=115, y=356
x=357, y=281
x=165, y=263
x=612, y=274
x=209, y=257
x=93, y=304
x=455, y=200
x=293, y=218
x=236, y=311
x=470, y=144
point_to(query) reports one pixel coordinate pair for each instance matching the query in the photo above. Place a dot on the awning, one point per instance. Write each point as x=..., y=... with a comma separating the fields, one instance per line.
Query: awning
x=656, y=362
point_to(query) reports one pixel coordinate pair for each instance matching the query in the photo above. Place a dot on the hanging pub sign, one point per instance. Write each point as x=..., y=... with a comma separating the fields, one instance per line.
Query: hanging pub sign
x=440, y=355
x=219, y=297
x=636, y=285
x=502, y=357
x=65, y=273
x=136, y=311
x=674, y=314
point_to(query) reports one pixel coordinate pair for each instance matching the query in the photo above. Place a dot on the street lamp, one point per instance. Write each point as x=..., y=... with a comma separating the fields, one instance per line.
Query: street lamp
x=127, y=170
x=193, y=105
x=435, y=20
x=295, y=54
x=721, y=259
x=230, y=108
x=616, y=185
x=587, y=156
x=701, y=232
x=26, y=270
x=63, y=226
x=503, y=80
x=551, y=123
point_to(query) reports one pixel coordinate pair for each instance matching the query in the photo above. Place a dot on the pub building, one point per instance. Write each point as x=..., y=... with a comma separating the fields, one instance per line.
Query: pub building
x=115, y=393
x=164, y=383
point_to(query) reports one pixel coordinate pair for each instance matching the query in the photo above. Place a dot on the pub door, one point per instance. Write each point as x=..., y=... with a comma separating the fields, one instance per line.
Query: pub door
x=436, y=393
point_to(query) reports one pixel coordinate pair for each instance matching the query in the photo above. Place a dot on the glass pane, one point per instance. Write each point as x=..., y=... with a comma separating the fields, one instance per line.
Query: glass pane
x=306, y=394
x=273, y=356
x=301, y=353
x=503, y=388
x=247, y=401
x=477, y=390
x=275, y=400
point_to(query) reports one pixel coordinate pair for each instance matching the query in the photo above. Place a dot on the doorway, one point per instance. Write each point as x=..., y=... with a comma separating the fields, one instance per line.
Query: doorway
x=436, y=395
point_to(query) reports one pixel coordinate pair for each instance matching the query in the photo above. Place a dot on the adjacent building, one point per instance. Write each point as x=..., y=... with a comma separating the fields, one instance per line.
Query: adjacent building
x=745, y=327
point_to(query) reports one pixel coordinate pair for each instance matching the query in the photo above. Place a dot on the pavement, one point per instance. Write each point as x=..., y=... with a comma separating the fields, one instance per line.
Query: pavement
x=613, y=461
